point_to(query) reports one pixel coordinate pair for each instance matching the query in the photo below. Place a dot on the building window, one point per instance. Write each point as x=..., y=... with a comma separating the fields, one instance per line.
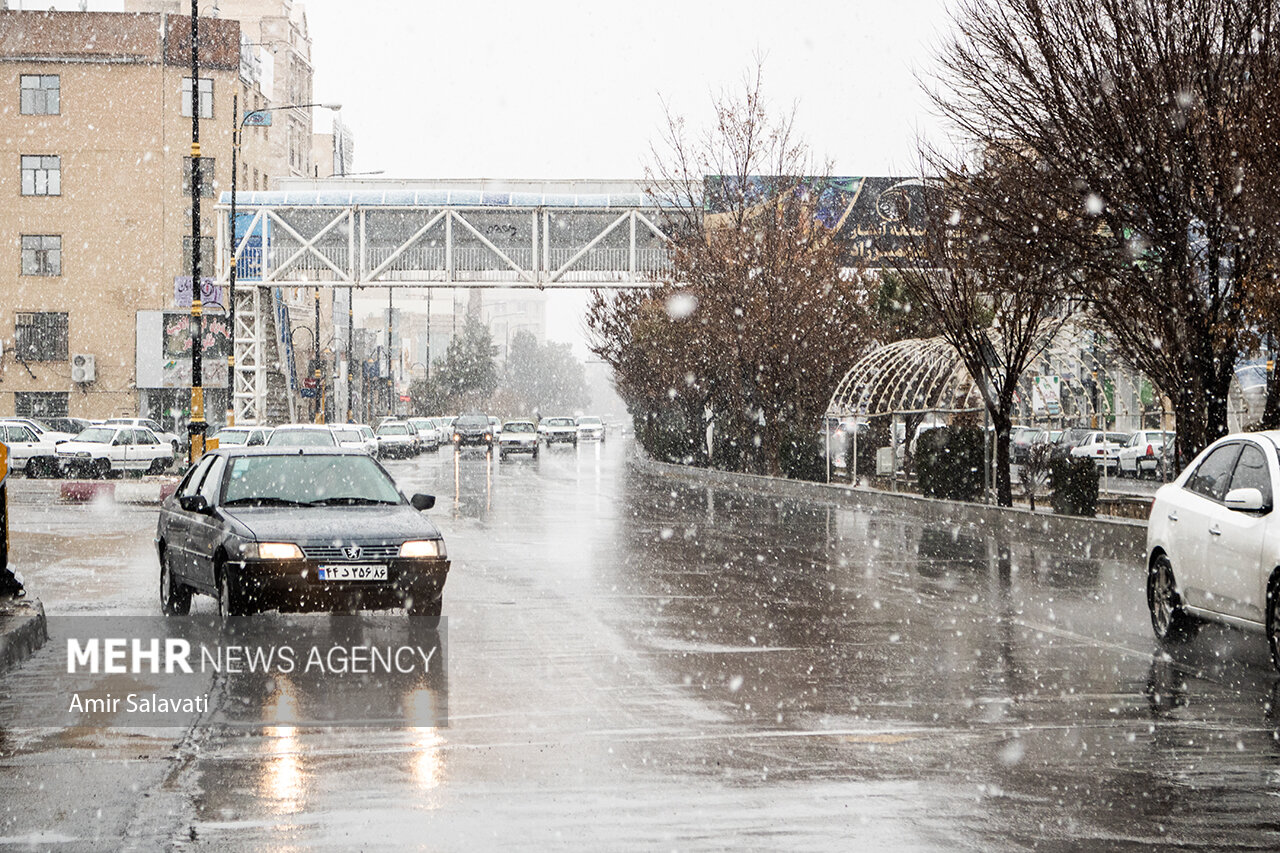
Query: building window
x=40, y=404
x=206, y=97
x=41, y=254
x=206, y=176
x=206, y=256
x=41, y=174
x=41, y=95
x=41, y=336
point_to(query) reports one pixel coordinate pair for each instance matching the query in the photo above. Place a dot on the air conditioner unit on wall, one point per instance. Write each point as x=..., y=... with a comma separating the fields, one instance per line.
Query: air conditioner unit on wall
x=83, y=368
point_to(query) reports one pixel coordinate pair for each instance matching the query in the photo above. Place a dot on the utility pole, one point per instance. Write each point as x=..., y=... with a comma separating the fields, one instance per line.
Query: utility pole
x=196, y=426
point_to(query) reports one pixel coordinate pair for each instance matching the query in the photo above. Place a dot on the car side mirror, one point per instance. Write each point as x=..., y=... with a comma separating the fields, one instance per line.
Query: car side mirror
x=421, y=502
x=194, y=503
x=1244, y=500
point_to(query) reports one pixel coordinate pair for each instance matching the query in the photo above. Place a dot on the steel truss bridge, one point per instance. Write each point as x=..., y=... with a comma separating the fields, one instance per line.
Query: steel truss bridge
x=544, y=235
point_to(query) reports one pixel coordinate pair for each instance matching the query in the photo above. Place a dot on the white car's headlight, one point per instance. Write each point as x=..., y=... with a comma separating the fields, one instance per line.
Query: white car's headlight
x=279, y=551
x=423, y=548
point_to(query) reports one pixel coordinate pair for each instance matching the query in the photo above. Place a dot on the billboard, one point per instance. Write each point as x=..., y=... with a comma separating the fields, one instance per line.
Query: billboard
x=876, y=218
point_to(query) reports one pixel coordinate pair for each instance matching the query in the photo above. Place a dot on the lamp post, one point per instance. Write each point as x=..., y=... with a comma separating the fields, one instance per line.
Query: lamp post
x=254, y=118
x=196, y=426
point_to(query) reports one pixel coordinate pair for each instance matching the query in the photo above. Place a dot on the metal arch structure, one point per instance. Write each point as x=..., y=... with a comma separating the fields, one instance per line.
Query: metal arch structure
x=916, y=375
x=406, y=237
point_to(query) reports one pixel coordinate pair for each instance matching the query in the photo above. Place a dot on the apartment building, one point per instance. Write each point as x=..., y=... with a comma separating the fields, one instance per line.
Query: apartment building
x=95, y=237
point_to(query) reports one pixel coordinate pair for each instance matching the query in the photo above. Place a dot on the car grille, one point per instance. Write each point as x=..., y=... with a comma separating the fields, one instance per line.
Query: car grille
x=335, y=553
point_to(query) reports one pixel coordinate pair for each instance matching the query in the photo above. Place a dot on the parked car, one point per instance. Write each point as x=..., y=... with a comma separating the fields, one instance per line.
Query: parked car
x=428, y=433
x=396, y=438
x=472, y=431
x=1102, y=447
x=1141, y=454
x=43, y=430
x=317, y=529
x=1213, y=543
x=32, y=454
x=590, y=428
x=1068, y=440
x=302, y=435
x=242, y=436
x=496, y=424
x=175, y=441
x=70, y=426
x=1021, y=438
x=109, y=449
x=518, y=437
x=351, y=436
x=558, y=430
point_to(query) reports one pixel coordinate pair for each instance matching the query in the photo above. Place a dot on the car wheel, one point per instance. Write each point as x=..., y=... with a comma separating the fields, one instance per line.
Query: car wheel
x=175, y=597
x=1273, y=618
x=426, y=615
x=230, y=608
x=1169, y=618
x=101, y=468
x=157, y=466
x=36, y=468
x=535, y=453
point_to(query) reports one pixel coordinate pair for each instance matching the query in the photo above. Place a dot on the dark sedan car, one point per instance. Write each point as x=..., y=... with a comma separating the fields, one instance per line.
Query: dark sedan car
x=472, y=431
x=298, y=530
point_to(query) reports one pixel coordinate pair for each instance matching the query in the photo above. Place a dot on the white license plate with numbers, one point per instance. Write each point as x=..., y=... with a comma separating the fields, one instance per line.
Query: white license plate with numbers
x=353, y=572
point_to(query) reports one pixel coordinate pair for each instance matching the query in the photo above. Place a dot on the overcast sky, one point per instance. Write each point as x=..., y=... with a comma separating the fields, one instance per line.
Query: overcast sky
x=555, y=89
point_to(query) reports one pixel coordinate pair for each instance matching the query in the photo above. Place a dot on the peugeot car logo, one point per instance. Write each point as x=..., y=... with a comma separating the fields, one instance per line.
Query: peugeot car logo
x=352, y=552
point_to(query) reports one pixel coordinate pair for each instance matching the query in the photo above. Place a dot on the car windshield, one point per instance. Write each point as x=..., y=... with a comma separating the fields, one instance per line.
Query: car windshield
x=393, y=429
x=588, y=422
x=229, y=438
x=559, y=422
x=102, y=435
x=308, y=480
x=518, y=426
x=302, y=438
x=471, y=421
x=347, y=434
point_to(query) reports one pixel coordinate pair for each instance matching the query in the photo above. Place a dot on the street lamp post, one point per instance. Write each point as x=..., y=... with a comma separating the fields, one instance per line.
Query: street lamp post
x=196, y=425
x=237, y=128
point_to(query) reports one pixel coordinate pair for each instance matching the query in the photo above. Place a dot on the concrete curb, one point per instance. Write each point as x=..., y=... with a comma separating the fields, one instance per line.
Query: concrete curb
x=1120, y=538
x=22, y=630
x=85, y=491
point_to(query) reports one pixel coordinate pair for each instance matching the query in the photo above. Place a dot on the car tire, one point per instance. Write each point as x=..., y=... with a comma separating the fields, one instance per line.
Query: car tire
x=175, y=597
x=230, y=606
x=1170, y=621
x=101, y=468
x=426, y=616
x=157, y=466
x=1273, y=618
x=535, y=453
x=38, y=468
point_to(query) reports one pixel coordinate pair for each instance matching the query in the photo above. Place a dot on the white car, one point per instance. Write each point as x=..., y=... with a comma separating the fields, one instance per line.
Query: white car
x=34, y=455
x=1213, y=543
x=428, y=432
x=172, y=439
x=1141, y=454
x=590, y=428
x=350, y=435
x=302, y=435
x=1102, y=447
x=112, y=449
x=43, y=430
x=396, y=438
x=558, y=429
x=242, y=436
x=518, y=437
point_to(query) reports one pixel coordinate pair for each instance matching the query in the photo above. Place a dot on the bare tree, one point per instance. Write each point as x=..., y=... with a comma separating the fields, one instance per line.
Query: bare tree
x=1147, y=129
x=755, y=324
x=981, y=275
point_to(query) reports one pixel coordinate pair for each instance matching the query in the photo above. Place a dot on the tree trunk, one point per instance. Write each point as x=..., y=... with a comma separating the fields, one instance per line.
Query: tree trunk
x=1002, y=420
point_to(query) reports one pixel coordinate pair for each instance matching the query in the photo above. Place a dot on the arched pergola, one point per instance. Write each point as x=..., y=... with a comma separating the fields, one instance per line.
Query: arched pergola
x=911, y=376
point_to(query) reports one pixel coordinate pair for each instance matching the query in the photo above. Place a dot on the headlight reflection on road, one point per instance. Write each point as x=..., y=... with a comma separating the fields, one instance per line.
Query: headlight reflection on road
x=282, y=772
x=426, y=762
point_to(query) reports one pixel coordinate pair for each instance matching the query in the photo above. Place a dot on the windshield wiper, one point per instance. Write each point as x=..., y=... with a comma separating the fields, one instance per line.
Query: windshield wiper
x=351, y=501
x=263, y=501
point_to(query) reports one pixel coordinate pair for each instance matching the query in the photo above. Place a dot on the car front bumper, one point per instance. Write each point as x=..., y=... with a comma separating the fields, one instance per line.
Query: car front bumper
x=566, y=437
x=295, y=585
x=518, y=447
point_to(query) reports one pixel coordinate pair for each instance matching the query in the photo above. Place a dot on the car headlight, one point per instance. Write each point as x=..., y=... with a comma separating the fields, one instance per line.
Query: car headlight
x=279, y=551
x=457, y=437
x=423, y=548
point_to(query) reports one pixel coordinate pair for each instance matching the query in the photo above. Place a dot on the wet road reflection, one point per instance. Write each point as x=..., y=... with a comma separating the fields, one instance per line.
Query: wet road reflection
x=637, y=661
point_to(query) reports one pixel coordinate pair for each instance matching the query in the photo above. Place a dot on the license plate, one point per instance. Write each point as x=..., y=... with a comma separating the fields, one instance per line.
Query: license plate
x=353, y=572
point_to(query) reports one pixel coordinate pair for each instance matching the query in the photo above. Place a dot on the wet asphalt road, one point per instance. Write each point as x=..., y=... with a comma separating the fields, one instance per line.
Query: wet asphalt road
x=636, y=663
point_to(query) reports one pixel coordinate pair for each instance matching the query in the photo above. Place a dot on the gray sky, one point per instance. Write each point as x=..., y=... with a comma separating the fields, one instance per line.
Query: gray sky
x=556, y=89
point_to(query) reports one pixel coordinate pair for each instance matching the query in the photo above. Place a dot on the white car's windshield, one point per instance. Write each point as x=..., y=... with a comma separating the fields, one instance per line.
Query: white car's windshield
x=98, y=434
x=303, y=479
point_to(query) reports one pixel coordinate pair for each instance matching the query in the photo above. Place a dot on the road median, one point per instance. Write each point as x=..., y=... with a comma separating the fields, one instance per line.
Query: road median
x=22, y=630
